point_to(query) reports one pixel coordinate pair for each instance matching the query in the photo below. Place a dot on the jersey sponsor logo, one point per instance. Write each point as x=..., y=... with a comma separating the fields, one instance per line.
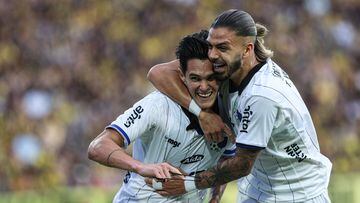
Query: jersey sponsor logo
x=174, y=143
x=192, y=159
x=135, y=115
x=246, y=115
x=294, y=151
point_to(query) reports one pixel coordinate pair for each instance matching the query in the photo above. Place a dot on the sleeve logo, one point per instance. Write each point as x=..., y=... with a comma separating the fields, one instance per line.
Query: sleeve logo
x=135, y=115
x=295, y=151
x=246, y=119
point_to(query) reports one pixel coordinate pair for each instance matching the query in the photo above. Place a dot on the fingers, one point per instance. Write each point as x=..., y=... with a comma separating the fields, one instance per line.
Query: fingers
x=159, y=173
x=167, y=172
x=183, y=173
x=148, y=181
x=175, y=171
x=229, y=134
x=172, y=187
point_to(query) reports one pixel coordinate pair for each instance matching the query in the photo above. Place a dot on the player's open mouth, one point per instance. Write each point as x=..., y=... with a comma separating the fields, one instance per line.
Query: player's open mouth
x=219, y=65
x=204, y=95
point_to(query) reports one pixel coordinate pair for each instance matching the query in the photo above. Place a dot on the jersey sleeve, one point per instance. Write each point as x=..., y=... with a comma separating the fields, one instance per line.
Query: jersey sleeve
x=137, y=120
x=230, y=150
x=257, y=122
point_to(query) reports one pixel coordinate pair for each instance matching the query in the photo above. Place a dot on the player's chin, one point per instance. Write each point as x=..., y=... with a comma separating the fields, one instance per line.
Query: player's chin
x=206, y=103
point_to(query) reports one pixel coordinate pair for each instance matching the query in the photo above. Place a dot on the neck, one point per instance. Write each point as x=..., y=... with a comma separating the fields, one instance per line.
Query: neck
x=238, y=76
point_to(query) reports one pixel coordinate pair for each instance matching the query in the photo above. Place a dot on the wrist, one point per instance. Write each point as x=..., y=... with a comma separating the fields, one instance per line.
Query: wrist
x=136, y=167
x=194, y=108
x=189, y=183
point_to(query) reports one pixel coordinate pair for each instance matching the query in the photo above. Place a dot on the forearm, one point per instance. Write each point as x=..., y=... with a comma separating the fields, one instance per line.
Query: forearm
x=218, y=191
x=110, y=154
x=166, y=78
x=229, y=170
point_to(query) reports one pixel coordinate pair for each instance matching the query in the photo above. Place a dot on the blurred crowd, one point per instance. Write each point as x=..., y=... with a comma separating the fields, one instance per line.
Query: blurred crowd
x=70, y=67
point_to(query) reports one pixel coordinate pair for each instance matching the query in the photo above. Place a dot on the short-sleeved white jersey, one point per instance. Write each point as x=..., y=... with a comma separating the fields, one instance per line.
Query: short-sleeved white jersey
x=268, y=112
x=158, y=127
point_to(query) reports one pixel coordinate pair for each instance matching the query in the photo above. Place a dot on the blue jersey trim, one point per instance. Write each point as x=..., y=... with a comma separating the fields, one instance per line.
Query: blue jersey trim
x=245, y=146
x=228, y=152
x=121, y=131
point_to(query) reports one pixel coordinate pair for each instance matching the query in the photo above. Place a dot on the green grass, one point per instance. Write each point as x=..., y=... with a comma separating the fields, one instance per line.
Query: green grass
x=342, y=189
x=60, y=195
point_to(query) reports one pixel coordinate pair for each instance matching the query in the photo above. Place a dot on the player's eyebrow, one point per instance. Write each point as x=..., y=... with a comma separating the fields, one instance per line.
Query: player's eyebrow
x=221, y=44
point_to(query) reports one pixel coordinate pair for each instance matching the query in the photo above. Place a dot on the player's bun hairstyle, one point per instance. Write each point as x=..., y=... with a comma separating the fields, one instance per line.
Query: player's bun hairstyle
x=193, y=46
x=244, y=25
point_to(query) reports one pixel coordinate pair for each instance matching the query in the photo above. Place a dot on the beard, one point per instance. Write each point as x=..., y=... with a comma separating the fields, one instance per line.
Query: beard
x=235, y=65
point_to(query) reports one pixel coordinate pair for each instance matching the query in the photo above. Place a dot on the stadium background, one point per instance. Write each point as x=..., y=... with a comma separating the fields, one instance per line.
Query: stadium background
x=69, y=67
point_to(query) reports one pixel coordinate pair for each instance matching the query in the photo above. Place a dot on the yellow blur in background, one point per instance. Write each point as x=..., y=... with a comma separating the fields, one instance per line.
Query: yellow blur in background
x=70, y=67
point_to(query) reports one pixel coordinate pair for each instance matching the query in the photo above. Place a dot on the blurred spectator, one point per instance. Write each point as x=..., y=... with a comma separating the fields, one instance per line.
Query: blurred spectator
x=68, y=67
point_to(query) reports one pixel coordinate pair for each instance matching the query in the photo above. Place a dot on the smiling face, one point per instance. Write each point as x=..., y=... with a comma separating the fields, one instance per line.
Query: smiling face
x=226, y=51
x=201, y=83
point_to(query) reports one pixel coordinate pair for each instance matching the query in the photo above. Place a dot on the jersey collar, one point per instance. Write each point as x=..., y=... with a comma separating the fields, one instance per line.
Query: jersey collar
x=246, y=80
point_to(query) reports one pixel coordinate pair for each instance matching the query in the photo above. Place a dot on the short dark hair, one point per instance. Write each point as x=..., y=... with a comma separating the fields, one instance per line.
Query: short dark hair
x=192, y=46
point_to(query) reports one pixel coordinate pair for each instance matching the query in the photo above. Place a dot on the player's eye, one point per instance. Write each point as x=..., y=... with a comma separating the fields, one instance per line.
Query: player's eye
x=222, y=48
x=194, y=78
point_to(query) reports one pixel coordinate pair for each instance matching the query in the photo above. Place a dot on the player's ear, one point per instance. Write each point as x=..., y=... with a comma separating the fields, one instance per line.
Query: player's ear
x=248, y=48
x=182, y=76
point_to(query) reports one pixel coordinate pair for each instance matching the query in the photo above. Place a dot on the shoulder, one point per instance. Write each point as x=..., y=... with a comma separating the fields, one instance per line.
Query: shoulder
x=159, y=100
x=172, y=65
x=270, y=82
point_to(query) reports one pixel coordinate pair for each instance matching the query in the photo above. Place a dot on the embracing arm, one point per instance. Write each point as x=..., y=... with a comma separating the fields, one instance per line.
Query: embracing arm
x=166, y=78
x=108, y=149
x=229, y=170
x=218, y=191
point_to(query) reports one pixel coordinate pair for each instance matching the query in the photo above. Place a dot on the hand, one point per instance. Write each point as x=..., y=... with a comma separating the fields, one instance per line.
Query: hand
x=160, y=170
x=169, y=187
x=214, y=128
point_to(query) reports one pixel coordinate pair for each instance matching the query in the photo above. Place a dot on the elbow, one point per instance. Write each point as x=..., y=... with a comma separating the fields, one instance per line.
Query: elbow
x=92, y=150
x=153, y=72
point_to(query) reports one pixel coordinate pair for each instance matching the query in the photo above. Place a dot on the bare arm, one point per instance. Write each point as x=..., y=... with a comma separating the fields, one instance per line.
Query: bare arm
x=229, y=170
x=218, y=191
x=108, y=149
x=166, y=78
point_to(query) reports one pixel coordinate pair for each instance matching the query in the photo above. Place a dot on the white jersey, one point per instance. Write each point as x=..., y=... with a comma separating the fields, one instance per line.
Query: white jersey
x=268, y=113
x=161, y=132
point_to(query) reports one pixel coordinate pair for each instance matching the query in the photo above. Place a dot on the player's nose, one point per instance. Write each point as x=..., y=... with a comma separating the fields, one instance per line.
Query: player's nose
x=213, y=54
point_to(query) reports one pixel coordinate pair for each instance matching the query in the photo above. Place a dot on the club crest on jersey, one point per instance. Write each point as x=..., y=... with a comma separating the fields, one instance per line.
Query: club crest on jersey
x=246, y=119
x=135, y=115
x=194, y=158
x=218, y=146
x=237, y=118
